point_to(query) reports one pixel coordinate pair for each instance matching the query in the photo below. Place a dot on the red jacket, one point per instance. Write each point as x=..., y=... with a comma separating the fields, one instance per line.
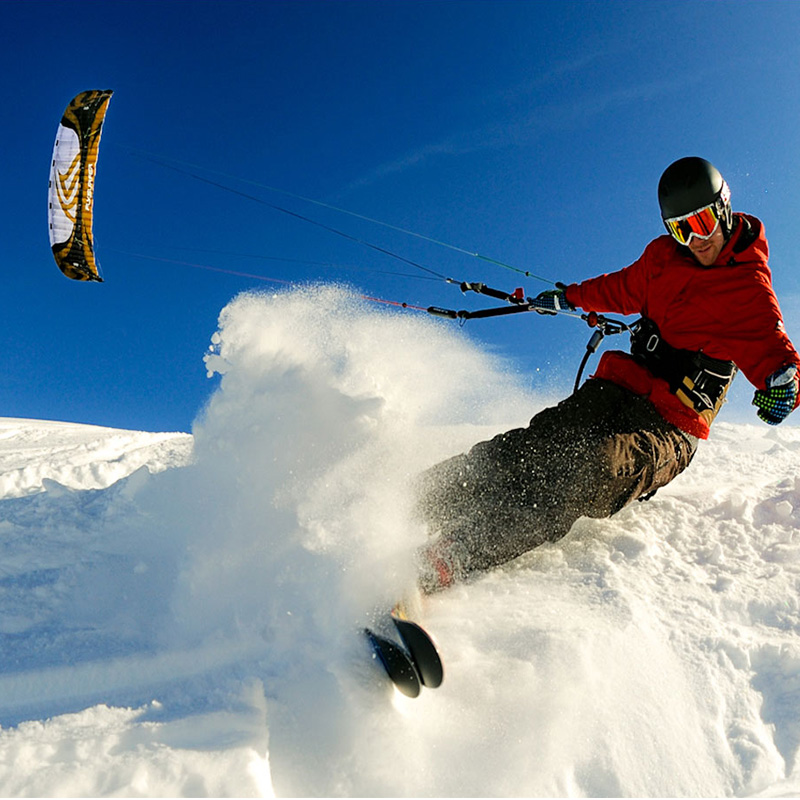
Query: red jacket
x=728, y=310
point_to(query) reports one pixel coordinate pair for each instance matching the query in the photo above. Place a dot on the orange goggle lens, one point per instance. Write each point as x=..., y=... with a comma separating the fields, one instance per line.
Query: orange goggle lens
x=701, y=224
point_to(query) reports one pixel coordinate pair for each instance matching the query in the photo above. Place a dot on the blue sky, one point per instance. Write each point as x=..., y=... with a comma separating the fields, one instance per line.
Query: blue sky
x=530, y=132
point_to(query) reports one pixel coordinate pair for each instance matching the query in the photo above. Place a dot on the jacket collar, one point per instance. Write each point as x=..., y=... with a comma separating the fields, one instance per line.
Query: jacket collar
x=747, y=242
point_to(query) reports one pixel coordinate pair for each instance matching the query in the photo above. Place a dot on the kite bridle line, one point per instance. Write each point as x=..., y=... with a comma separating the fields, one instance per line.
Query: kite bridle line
x=516, y=300
x=192, y=171
x=265, y=278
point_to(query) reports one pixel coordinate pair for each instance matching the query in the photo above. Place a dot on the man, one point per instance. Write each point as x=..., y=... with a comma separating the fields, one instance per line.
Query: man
x=704, y=293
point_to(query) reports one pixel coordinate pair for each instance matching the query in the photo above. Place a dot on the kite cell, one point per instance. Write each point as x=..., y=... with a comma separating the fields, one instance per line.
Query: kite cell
x=72, y=178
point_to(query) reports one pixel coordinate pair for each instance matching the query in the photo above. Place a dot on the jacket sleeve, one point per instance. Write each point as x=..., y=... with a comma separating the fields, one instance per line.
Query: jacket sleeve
x=758, y=341
x=621, y=292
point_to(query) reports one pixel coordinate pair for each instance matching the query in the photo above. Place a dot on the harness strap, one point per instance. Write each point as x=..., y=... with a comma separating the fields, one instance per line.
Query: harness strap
x=696, y=379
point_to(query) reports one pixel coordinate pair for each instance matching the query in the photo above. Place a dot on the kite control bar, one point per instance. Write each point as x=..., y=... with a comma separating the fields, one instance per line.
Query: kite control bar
x=518, y=302
x=603, y=326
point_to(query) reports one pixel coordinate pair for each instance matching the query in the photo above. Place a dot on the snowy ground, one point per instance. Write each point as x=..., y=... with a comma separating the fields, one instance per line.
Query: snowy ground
x=179, y=614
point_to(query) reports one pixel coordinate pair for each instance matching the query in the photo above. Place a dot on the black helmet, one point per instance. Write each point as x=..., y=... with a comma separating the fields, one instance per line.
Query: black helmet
x=693, y=183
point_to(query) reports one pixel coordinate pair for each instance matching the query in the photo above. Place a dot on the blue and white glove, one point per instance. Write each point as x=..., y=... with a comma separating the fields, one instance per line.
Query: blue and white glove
x=780, y=397
x=552, y=301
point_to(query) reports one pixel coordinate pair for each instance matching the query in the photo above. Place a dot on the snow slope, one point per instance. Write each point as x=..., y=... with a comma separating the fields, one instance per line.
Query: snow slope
x=179, y=614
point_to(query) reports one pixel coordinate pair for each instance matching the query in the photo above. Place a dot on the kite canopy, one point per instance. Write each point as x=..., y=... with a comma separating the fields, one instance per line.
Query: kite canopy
x=71, y=192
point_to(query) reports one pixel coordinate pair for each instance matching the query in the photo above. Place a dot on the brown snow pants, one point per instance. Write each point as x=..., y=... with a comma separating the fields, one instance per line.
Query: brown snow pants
x=590, y=455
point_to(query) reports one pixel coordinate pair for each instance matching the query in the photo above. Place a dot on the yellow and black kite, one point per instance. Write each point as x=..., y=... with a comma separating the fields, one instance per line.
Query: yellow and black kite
x=72, y=177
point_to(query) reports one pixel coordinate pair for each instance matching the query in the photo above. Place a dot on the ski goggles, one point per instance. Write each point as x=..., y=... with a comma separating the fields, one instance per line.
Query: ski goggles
x=701, y=223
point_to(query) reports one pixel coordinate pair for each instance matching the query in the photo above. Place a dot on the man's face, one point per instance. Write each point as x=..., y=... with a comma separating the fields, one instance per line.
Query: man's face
x=706, y=251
